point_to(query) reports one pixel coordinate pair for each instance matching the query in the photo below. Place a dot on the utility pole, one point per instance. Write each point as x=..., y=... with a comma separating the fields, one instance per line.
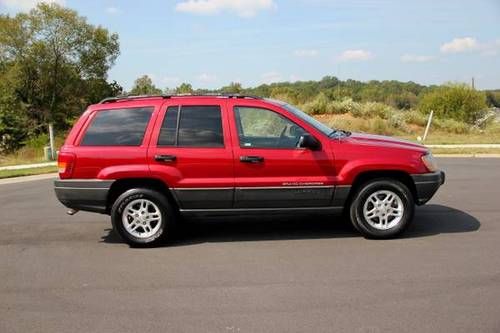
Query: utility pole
x=473, y=85
x=52, y=145
x=428, y=125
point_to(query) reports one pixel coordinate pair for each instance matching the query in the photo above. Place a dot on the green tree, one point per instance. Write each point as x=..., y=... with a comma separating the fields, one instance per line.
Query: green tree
x=455, y=101
x=144, y=86
x=13, y=117
x=232, y=88
x=63, y=62
x=184, y=88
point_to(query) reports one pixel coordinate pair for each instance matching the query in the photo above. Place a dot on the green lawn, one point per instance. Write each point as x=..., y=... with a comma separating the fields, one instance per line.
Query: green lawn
x=27, y=172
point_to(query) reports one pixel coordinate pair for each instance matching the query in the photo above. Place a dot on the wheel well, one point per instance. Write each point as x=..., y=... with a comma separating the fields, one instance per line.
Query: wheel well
x=122, y=185
x=401, y=176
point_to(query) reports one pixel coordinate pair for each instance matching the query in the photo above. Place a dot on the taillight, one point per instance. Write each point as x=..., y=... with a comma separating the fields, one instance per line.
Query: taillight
x=65, y=164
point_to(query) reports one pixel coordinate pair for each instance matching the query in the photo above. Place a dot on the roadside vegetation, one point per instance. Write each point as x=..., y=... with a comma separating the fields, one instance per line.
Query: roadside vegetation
x=53, y=63
x=27, y=172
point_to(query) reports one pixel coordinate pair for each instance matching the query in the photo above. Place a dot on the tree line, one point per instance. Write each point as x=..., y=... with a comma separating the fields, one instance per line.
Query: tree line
x=53, y=63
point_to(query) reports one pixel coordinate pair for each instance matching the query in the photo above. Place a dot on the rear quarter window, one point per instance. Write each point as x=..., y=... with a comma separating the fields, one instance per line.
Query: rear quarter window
x=118, y=127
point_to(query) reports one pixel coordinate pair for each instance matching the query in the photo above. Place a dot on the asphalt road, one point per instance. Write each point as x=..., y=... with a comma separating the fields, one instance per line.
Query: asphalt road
x=303, y=274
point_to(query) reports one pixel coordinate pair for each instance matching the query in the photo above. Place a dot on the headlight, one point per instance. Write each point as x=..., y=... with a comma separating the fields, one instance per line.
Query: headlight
x=429, y=162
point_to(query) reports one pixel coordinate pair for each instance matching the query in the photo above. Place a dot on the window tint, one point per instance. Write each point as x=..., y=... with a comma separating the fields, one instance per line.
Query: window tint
x=194, y=126
x=169, y=127
x=119, y=127
x=261, y=128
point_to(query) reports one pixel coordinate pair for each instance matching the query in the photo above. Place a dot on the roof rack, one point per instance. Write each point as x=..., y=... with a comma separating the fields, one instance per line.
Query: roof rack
x=128, y=97
x=166, y=96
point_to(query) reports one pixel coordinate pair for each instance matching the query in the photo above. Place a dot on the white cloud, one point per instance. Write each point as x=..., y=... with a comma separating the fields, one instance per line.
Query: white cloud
x=271, y=77
x=416, y=58
x=244, y=8
x=112, y=10
x=207, y=78
x=295, y=78
x=24, y=5
x=355, y=55
x=459, y=45
x=304, y=53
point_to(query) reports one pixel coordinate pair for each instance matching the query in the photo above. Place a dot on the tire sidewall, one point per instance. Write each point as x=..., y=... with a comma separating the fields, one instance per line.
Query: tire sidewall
x=365, y=191
x=121, y=203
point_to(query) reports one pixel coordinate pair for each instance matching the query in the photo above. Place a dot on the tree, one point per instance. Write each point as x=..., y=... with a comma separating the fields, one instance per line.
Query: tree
x=184, y=88
x=144, y=86
x=13, y=118
x=455, y=101
x=61, y=59
x=232, y=88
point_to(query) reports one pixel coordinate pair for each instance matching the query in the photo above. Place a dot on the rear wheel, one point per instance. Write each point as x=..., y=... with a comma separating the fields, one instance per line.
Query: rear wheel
x=382, y=208
x=143, y=217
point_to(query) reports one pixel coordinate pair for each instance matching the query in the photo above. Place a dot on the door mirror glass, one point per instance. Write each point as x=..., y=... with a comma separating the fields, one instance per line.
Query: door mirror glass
x=308, y=141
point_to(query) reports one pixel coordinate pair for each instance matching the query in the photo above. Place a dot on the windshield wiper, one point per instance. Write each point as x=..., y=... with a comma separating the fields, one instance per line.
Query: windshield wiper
x=339, y=132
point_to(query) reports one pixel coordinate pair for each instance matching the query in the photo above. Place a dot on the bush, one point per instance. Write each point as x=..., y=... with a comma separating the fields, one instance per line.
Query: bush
x=455, y=101
x=415, y=117
x=397, y=121
x=318, y=105
x=450, y=125
x=342, y=107
x=37, y=142
x=375, y=109
x=379, y=126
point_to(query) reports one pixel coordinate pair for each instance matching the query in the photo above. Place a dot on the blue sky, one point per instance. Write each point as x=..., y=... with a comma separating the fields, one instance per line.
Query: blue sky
x=210, y=43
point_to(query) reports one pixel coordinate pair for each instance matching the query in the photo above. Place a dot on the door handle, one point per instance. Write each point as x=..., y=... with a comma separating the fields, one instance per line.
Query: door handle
x=165, y=158
x=251, y=159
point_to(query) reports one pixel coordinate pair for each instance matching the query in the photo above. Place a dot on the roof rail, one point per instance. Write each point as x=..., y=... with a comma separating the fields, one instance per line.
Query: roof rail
x=127, y=97
x=131, y=97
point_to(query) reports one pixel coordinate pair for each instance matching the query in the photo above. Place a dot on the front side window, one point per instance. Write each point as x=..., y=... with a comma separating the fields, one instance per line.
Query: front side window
x=192, y=126
x=118, y=127
x=262, y=128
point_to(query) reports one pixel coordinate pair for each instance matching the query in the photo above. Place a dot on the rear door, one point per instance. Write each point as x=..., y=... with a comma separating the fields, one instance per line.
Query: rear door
x=270, y=170
x=190, y=150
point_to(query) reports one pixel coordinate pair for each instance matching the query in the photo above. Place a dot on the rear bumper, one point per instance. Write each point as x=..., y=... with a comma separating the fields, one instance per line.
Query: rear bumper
x=427, y=185
x=89, y=195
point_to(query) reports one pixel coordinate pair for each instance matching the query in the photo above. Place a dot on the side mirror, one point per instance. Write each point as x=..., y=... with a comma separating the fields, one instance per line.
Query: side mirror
x=308, y=141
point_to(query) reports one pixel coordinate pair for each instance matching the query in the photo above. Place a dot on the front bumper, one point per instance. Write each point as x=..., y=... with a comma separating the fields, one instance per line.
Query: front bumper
x=427, y=184
x=88, y=195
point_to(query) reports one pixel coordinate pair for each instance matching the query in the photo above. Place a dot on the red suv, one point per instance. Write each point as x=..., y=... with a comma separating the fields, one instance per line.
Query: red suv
x=148, y=160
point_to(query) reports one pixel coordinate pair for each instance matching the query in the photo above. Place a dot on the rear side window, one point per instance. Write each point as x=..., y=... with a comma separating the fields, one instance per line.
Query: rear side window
x=192, y=126
x=118, y=127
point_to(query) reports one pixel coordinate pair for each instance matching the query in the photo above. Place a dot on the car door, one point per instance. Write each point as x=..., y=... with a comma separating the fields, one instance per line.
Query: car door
x=191, y=151
x=270, y=170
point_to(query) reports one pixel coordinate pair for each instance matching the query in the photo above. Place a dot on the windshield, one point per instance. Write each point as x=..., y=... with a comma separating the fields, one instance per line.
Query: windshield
x=304, y=116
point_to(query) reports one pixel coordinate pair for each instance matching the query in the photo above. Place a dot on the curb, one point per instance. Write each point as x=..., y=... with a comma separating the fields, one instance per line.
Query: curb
x=23, y=179
x=27, y=166
x=467, y=155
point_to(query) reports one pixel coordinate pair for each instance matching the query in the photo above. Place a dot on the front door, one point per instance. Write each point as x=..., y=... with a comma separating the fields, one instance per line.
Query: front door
x=270, y=170
x=191, y=151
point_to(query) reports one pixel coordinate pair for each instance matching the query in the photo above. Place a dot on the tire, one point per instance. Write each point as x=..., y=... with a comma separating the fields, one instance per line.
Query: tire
x=378, y=215
x=143, y=217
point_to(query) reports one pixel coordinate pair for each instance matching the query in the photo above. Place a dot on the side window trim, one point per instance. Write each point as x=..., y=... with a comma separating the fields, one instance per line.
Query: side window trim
x=239, y=126
x=177, y=126
x=177, y=123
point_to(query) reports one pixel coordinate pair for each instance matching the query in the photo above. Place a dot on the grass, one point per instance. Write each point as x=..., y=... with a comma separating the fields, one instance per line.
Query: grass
x=27, y=172
x=31, y=153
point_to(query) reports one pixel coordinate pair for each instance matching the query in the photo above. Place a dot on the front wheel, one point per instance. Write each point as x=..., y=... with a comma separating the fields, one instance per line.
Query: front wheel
x=142, y=217
x=382, y=208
